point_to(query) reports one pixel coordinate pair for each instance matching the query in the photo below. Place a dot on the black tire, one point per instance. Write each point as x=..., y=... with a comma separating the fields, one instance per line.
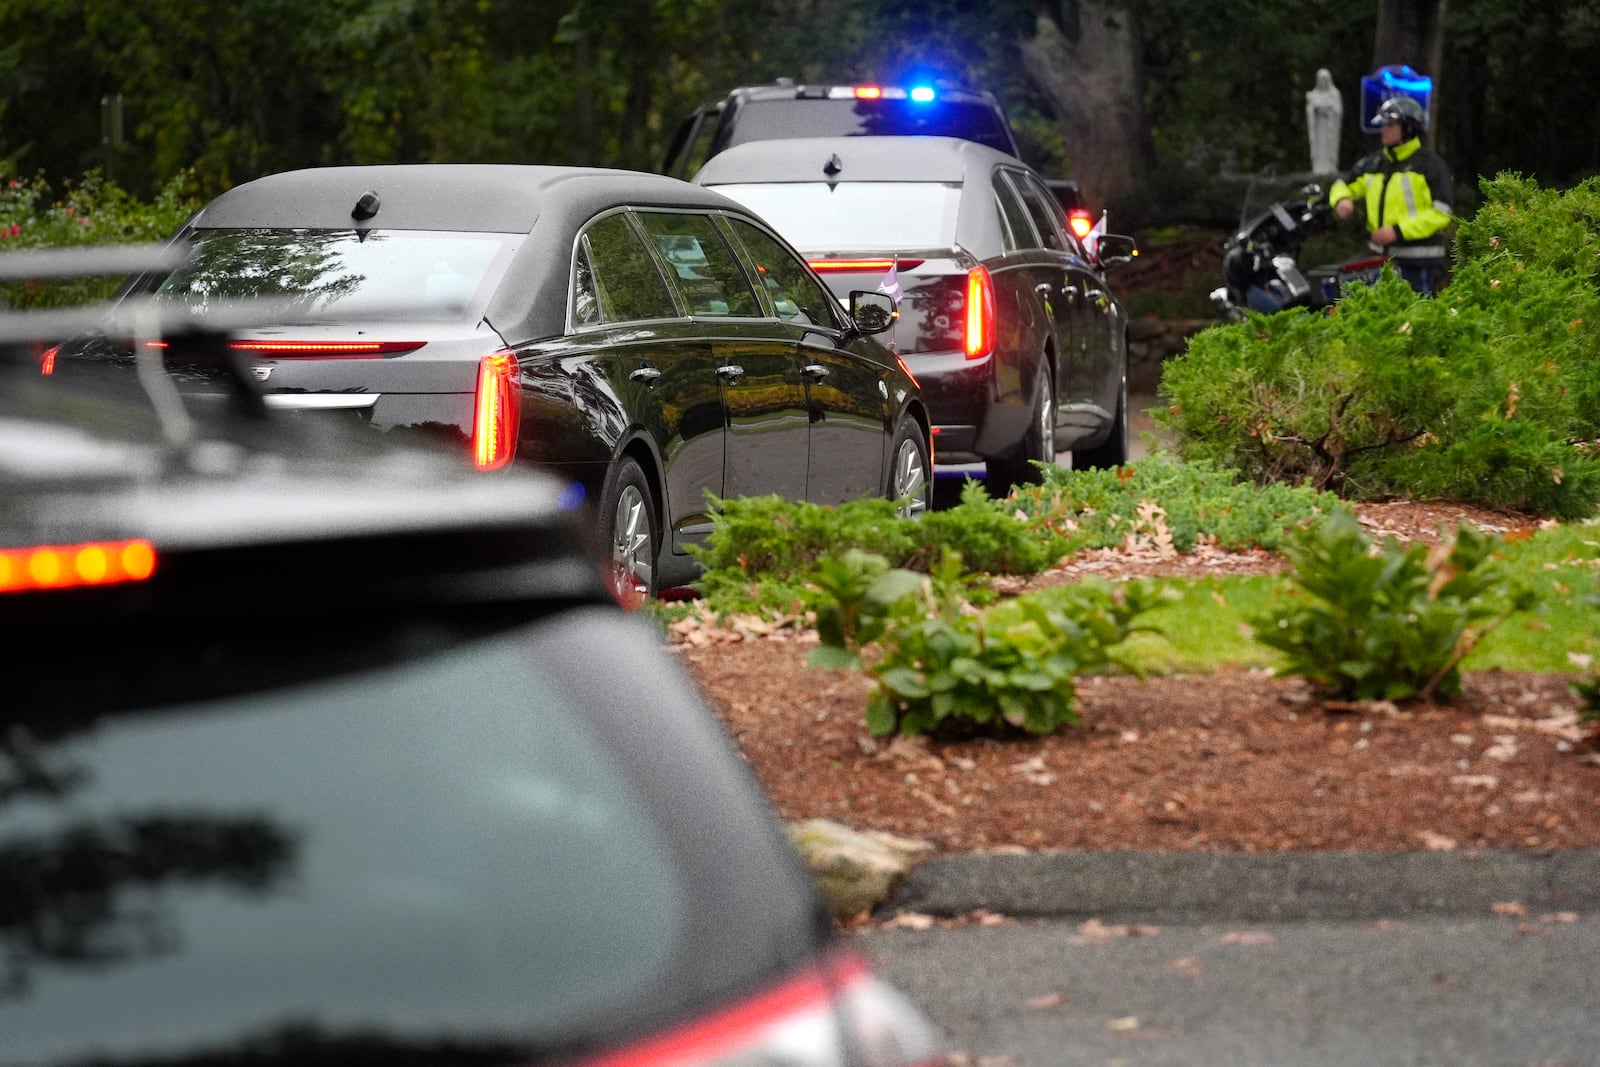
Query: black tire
x=910, y=469
x=1038, y=443
x=632, y=540
x=1113, y=451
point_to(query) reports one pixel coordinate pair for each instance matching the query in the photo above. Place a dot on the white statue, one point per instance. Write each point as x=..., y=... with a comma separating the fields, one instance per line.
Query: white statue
x=1324, y=110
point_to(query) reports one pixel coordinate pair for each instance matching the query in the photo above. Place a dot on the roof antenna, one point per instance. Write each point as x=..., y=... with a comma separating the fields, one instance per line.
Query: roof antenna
x=833, y=166
x=366, y=207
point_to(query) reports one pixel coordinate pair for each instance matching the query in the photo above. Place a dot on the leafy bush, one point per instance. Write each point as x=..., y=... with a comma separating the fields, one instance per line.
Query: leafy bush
x=1488, y=393
x=764, y=553
x=1387, y=622
x=946, y=670
x=1198, y=501
x=95, y=211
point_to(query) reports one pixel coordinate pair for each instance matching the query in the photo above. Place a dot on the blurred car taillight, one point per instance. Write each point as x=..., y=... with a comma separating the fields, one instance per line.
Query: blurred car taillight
x=497, y=411
x=65, y=566
x=980, y=313
x=1080, y=222
x=835, y=1014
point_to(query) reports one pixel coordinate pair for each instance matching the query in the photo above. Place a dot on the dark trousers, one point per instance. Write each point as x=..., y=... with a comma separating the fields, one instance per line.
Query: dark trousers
x=1427, y=276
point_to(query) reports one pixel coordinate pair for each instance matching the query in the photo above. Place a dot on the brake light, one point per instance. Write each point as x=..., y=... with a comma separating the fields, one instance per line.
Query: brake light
x=824, y=266
x=795, y=1023
x=47, y=360
x=1080, y=222
x=980, y=313
x=65, y=566
x=325, y=349
x=497, y=411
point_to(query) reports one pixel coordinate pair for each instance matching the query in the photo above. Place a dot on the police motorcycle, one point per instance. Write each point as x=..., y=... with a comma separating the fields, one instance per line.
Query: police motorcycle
x=1261, y=268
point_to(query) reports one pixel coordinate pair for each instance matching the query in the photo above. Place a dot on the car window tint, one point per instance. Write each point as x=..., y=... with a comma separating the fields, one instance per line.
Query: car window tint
x=428, y=850
x=794, y=291
x=708, y=275
x=855, y=216
x=1015, y=214
x=1041, y=205
x=399, y=274
x=614, y=278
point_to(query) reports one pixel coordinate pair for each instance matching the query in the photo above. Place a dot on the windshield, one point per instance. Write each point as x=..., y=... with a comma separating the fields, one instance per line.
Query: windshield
x=764, y=120
x=409, y=274
x=860, y=216
x=438, y=851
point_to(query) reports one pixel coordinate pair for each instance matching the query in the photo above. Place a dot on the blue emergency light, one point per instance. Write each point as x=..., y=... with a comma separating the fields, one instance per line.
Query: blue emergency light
x=1392, y=81
x=922, y=94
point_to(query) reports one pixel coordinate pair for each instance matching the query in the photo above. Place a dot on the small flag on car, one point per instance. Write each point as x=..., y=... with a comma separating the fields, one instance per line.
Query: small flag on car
x=1091, y=240
x=891, y=281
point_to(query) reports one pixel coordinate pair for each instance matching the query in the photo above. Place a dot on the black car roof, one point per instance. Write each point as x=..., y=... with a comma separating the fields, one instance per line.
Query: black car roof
x=504, y=198
x=549, y=204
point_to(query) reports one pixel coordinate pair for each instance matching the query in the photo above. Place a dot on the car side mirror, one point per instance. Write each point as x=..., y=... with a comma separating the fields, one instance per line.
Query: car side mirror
x=872, y=312
x=1114, y=248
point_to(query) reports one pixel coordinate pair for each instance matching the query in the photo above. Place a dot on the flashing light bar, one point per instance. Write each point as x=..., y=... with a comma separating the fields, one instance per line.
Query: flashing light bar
x=67, y=566
x=922, y=94
x=1080, y=222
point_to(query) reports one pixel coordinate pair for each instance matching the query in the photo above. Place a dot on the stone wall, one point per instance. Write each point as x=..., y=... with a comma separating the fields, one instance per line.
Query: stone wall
x=1151, y=342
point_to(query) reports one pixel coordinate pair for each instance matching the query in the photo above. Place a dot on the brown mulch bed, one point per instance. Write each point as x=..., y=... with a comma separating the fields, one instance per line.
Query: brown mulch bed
x=1234, y=761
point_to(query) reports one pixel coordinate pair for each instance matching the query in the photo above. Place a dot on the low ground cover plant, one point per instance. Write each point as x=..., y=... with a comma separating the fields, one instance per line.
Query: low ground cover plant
x=1488, y=393
x=1388, y=621
x=940, y=668
x=1198, y=501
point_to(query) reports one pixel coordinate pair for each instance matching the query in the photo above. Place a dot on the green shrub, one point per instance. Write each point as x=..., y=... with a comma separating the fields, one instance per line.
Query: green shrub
x=95, y=211
x=1197, y=501
x=1488, y=393
x=1387, y=622
x=764, y=553
x=944, y=669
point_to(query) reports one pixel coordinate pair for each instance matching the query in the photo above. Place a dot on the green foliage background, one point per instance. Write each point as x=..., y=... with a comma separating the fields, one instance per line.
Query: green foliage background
x=237, y=88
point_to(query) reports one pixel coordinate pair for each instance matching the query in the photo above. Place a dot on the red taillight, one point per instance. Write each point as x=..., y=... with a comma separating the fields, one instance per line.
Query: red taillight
x=1080, y=221
x=64, y=566
x=47, y=360
x=824, y=266
x=497, y=411
x=324, y=349
x=795, y=1023
x=980, y=313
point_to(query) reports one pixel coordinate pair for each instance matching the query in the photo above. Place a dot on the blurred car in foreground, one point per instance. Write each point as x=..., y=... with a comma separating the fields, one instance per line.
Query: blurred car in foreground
x=647, y=340
x=310, y=754
x=1006, y=318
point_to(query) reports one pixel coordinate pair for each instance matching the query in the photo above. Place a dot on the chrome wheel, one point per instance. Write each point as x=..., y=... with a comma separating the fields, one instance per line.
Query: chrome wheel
x=910, y=480
x=1045, y=418
x=631, y=551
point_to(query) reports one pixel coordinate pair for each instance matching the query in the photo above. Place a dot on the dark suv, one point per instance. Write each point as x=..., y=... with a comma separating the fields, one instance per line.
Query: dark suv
x=319, y=749
x=784, y=109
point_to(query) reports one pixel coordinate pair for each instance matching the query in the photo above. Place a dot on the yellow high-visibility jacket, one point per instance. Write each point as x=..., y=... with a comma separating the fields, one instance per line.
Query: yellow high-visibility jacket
x=1407, y=187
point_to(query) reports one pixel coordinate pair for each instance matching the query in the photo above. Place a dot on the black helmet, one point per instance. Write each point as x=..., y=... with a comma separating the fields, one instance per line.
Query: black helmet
x=1403, y=110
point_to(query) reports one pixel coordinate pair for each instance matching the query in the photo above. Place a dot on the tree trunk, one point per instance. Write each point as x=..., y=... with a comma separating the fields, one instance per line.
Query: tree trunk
x=1412, y=32
x=1084, y=58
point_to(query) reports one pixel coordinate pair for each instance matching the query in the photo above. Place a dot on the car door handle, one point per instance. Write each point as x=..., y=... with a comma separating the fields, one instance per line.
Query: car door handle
x=814, y=372
x=648, y=375
x=730, y=372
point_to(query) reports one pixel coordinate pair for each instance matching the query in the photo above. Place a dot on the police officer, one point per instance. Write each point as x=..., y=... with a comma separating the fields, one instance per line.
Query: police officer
x=1407, y=191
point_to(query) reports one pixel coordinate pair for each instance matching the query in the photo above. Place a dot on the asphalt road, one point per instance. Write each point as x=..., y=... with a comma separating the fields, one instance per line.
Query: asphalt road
x=1495, y=990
